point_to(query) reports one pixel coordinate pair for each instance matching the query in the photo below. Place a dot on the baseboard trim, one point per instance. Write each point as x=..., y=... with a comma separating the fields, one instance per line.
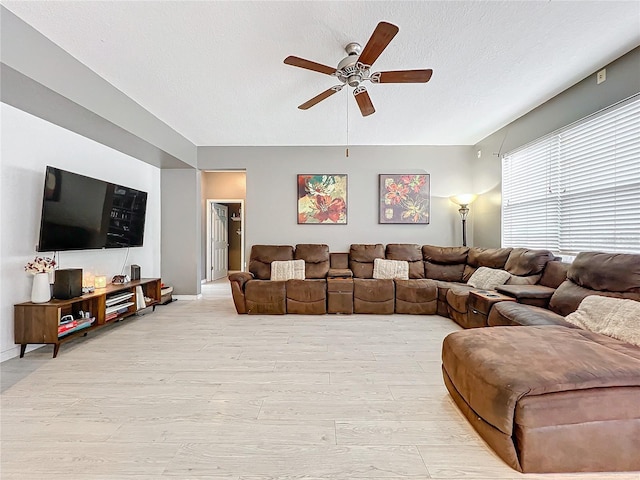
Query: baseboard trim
x=14, y=352
x=188, y=297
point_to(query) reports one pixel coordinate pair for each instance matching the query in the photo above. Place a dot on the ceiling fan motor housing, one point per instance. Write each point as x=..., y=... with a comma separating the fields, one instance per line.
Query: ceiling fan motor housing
x=349, y=71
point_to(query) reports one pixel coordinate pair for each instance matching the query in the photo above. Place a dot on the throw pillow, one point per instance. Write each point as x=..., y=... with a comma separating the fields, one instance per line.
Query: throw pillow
x=488, y=278
x=390, y=269
x=615, y=317
x=287, y=269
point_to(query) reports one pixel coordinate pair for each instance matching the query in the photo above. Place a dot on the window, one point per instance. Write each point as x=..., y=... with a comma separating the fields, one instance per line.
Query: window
x=577, y=189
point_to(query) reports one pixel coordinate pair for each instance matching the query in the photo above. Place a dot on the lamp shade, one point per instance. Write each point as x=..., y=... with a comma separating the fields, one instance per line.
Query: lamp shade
x=463, y=198
x=100, y=281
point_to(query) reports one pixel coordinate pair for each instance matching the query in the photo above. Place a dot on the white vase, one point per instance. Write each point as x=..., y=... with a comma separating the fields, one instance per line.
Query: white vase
x=40, y=291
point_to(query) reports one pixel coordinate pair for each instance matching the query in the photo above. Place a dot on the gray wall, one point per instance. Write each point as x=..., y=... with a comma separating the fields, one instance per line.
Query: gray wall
x=271, y=201
x=575, y=103
x=181, y=230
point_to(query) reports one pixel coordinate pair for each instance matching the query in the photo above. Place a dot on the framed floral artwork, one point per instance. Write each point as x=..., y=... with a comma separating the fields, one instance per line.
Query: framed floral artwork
x=404, y=199
x=322, y=199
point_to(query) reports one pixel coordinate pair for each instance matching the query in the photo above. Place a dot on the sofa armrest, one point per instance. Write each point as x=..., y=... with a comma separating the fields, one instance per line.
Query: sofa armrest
x=238, y=281
x=240, y=278
x=537, y=295
x=340, y=273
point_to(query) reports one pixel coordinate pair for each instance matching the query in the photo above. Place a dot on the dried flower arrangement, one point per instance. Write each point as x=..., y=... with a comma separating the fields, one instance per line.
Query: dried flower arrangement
x=40, y=265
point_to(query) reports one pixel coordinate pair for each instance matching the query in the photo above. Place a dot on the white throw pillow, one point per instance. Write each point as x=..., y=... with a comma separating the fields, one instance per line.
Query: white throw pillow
x=488, y=278
x=287, y=269
x=615, y=317
x=390, y=269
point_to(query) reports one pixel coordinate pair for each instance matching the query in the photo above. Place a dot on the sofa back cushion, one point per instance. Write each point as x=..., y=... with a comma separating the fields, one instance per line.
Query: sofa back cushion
x=316, y=259
x=262, y=256
x=554, y=274
x=408, y=252
x=361, y=258
x=568, y=295
x=339, y=260
x=613, y=272
x=523, y=262
x=444, y=263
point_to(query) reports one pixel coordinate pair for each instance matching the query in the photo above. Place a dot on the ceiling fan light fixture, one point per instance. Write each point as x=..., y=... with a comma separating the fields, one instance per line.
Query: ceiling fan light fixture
x=355, y=69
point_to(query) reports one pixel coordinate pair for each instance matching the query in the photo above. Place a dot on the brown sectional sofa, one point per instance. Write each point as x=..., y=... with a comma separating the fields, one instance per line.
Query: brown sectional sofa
x=344, y=282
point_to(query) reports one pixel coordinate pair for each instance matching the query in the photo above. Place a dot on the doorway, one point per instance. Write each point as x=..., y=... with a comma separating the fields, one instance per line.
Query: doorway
x=225, y=237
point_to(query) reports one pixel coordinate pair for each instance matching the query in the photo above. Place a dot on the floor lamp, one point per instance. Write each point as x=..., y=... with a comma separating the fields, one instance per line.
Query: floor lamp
x=463, y=200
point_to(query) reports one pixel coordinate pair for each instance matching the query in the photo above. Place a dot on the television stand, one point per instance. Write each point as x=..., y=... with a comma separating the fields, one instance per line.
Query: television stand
x=40, y=323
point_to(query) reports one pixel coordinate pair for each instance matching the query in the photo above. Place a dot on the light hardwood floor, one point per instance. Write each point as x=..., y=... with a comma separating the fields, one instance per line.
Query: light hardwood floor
x=194, y=391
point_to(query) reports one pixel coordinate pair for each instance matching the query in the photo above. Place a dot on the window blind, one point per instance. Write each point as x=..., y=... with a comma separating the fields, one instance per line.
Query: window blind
x=577, y=189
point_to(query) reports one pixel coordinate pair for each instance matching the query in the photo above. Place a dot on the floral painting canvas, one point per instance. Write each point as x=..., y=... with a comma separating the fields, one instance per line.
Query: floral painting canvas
x=404, y=199
x=322, y=199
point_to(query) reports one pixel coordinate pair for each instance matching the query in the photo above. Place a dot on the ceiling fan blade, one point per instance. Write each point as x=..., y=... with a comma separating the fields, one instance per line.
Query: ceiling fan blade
x=380, y=38
x=309, y=65
x=364, y=101
x=403, y=76
x=318, y=98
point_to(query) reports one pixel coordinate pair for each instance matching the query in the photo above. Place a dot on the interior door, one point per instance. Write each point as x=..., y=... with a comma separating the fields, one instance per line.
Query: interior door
x=219, y=241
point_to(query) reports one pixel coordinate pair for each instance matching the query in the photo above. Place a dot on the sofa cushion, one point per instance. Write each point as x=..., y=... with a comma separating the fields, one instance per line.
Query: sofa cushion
x=458, y=297
x=373, y=296
x=262, y=256
x=516, y=314
x=523, y=280
x=287, y=269
x=416, y=296
x=488, y=278
x=613, y=272
x=554, y=274
x=568, y=296
x=267, y=298
x=614, y=317
x=410, y=253
x=390, y=269
x=316, y=259
x=488, y=257
x=493, y=368
x=522, y=261
x=444, y=255
x=446, y=273
x=361, y=259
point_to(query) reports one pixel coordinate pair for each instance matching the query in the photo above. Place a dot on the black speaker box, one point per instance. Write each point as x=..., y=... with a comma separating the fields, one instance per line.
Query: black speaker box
x=68, y=283
x=135, y=272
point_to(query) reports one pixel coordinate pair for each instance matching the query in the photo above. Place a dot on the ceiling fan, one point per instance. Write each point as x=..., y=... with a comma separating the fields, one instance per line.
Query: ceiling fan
x=355, y=69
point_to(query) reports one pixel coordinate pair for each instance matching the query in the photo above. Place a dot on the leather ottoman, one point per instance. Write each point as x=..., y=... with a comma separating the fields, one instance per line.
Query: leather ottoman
x=548, y=399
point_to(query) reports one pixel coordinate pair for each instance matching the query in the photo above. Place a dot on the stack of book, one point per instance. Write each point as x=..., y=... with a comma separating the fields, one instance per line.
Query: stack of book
x=69, y=326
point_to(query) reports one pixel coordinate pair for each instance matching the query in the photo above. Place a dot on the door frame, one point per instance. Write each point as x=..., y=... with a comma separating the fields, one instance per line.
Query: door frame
x=210, y=202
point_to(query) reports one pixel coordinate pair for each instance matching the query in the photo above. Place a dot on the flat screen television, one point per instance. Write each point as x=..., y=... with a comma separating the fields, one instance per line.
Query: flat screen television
x=80, y=212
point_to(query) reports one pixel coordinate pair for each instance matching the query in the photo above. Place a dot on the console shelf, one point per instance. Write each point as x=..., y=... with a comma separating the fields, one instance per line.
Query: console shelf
x=38, y=323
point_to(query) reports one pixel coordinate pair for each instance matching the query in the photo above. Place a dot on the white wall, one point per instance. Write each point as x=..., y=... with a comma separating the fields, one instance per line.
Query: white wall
x=28, y=145
x=271, y=201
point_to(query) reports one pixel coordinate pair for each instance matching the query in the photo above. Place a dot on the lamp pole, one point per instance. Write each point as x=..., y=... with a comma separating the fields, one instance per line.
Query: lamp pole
x=464, y=211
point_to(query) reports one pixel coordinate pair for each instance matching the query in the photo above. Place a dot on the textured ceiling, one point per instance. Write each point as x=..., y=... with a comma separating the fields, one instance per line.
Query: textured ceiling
x=214, y=71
